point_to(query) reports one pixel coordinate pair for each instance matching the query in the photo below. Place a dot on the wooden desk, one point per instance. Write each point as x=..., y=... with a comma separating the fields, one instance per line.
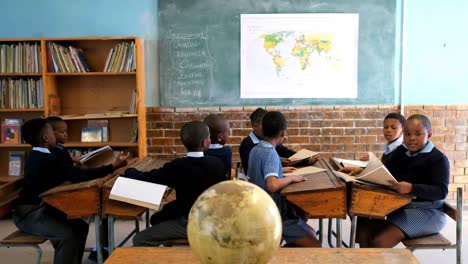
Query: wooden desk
x=322, y=195
x=160, y=255
x=79, y=200
x=115, y=209
x=370, y=201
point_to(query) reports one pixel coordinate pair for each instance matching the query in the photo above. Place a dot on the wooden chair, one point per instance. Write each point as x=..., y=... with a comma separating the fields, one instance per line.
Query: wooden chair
x=22, y=239
x=438, y=241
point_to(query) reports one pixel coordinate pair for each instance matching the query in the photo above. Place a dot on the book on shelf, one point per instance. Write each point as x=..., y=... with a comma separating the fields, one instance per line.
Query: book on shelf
x=141, y=193
x=103, y=124
x=351, y=163
x=374, y=173
x=305, y=171
x=91, y=134
x=66, y=59
x=11, y=133
x=301, y=155
x=121, y=58
x=16, y=163
x=20, y=57
x=21, y=93
x=54, y=103
x=98, y=157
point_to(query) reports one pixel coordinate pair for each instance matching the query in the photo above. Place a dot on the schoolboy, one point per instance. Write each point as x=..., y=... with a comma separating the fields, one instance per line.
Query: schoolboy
x=42, y=172
x=219, y=135
x=392, y=130
x=60, y=129
x=254, y=138
x=189, y=176
x=265, y=170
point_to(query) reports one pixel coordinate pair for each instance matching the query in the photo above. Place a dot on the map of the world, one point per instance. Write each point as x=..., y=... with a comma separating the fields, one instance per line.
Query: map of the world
x=299, y=55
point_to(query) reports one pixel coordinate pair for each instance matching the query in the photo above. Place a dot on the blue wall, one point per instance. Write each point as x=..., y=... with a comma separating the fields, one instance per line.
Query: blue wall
x=436, y=60
x=436, y=52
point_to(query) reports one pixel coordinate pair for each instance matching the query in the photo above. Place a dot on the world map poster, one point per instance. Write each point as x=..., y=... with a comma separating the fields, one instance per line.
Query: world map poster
x=299, y=55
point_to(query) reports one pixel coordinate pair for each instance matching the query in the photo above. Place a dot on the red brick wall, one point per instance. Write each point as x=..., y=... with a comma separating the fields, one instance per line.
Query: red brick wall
x=342, y=131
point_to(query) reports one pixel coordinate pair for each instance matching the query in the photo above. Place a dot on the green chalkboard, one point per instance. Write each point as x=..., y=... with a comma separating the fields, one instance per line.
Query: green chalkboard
x=200, y=49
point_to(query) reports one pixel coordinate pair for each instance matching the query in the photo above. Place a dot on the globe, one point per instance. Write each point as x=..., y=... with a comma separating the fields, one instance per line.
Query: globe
x=234, y=222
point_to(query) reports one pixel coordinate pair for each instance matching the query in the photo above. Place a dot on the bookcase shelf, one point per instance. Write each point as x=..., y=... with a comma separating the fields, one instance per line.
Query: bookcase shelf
x=88, y=73
x=15, y=146
x=84, y=96
x=3, y=74
x=5, y=110
x=100, y=144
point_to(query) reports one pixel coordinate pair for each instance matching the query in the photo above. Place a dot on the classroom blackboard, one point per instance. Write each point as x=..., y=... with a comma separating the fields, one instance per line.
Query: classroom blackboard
x=200, y=50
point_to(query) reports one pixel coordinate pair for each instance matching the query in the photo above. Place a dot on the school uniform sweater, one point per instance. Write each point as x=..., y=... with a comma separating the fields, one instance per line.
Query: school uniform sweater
x=62, y=154
x=429, y=172
x=44, y=171
x=251, y=141
x=189, y=176
x=224, y=153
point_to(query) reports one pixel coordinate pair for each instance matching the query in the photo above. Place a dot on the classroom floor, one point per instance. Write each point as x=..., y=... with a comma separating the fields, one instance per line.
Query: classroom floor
x=27, y=255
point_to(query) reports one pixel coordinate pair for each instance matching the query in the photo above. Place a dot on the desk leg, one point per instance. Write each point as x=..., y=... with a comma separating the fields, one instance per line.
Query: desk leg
x=97, y=224
x=320, y=231
x=338, y=233
x=147, y=219
x=110, y=232
x=330, y=232
x=352, y=236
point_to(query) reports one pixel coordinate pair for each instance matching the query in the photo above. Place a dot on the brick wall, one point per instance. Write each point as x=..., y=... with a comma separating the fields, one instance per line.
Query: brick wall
x=342, y=131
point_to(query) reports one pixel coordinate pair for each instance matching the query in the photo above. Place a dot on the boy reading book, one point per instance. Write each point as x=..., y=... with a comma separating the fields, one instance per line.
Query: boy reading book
x=189, y=176
x=265, y=170
x=254, y=138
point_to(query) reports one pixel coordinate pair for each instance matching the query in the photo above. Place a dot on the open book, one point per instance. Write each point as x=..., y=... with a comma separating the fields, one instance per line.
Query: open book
x=375, y=173
x=305, y=170
x=96, y=158
x=141, y=193
x=301, y=155
x=351, y=163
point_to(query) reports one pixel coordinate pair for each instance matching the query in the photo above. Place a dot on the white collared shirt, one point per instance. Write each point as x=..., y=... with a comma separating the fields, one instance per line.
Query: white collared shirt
x=254, y=138
x=41, y=149
x=428, y=148
x=195, y=154
x=215, y=146
x=392, y=146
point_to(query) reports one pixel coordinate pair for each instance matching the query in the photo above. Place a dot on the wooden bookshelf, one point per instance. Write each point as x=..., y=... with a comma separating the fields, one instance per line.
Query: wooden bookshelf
x=90, y=95
x=86, y=96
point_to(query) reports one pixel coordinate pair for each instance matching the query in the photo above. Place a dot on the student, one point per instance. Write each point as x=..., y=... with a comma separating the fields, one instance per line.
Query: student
x=189, y=176
x=254, y=138
x=60, y=129
x=265, y=170
x=423, y=172
x=219, y=135
x=42, y=172
x=393, y=126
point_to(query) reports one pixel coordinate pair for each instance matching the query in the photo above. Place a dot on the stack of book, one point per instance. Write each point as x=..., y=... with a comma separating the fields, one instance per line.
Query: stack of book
x=97, y=131
x=21, y=93
x=66, y=59
x=121, y=58
x=20, y=58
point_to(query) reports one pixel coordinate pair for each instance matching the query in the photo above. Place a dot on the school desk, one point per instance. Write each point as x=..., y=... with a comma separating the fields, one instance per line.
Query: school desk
x=322, y=195
x=370, y=201
x=113, y=209
x=162, y=255
x=79, y=200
